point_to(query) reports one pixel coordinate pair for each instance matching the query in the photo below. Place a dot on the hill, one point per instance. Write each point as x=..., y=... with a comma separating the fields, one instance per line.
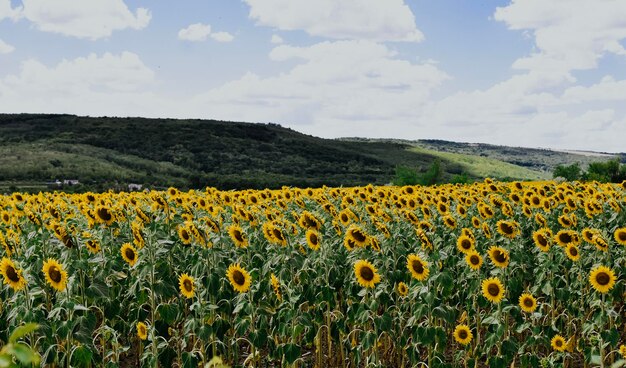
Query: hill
x=37, y=150
x=111, y=152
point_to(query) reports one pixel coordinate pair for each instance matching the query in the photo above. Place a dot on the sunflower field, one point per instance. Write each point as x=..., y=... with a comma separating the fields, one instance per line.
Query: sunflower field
x=490, y=274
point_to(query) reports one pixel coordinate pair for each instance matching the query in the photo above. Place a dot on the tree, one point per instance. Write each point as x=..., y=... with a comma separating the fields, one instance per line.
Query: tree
x=570, y=173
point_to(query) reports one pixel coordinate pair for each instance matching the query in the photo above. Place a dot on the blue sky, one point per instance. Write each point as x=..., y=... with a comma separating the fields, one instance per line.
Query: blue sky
x=534, y=73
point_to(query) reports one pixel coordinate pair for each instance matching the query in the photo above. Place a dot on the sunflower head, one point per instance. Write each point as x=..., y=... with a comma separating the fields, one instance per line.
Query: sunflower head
x=357, y=235
x=462, y=334
x=499, y=256
x=276, y=286
x=493, y=289
x=418, y=267
x=238, y=236
x=93, y=245
x=12, y=275
x=366, y=274
x=572, y=252
x=239, y=278
x=620, y=235
x=402, y=289
x=509, y=229
x=186, y=285
x=55, y=275
x=142, y=330
x=474, y=260
x=541, y=240
x=602, y=279
x=558, y=343
x=313, y=239
x=105, y=215
x=464, y=244
x=527, y=302
x=129, y=253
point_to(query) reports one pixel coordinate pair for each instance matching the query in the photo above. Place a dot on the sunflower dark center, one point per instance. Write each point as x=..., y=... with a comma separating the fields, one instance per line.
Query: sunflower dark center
x=417, y=267
x=278, y=234
x=185, y=234
x=238, y=236
x=474, y=259
x=313, y=239
x=466, y=244
x=104, y=214
x=463, y=334
x=12, y=274
x=493, y=290
x=507, y=228
x=239, y=278
x=603, y=278
x=187, y=285
x=367, y=273
x=54, y=273
x=565, y=237
x=542, y=240
x=573, y=251
x=499, y=256
x=358, y=236
x=535, y=200
x=621, y=235
x=344, y=217
x=558, y=343
x=130, y=254
x=528, y=302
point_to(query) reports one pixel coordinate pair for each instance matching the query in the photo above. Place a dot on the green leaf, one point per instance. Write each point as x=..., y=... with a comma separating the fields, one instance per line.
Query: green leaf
x=23, y=353
x=22, y=331
x=292, y=353
x=82, y=356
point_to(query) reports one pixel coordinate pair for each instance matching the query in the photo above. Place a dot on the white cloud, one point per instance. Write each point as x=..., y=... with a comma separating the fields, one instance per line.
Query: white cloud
x=375, y=20
x=342, y=83
x=276, y=39
x=222, y=36
x=195, y=32
x=5, y=48
x=8, y=12
x=201, y=32
x=91, y=19
x=94, y=85
x=569, y=34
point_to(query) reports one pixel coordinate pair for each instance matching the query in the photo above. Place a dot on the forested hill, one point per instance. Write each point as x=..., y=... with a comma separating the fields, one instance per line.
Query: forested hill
x=107, y=152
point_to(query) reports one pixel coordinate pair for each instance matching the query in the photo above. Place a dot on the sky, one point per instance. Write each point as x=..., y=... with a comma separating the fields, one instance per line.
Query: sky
x=530, y=73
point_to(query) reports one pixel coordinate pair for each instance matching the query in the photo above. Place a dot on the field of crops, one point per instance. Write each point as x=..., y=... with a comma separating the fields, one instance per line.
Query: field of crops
x=489, y=274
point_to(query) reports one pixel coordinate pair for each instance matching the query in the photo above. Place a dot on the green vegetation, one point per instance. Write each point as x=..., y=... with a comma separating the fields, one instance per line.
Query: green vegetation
x=610, y=171
x=104, y=153
x=482, y=167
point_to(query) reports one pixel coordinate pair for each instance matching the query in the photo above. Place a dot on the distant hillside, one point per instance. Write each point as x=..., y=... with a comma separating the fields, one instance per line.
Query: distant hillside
x=108, y=152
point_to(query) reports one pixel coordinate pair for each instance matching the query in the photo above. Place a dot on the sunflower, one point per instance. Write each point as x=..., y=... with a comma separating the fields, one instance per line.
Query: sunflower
x=474, y=260
x=418, y=268
x=129, y=253
x=105, y=215
x=366, y=274
x=238, y=236
x=620, y=235
x=184, y=234
x=600, y=243
x=93, y=245
x=510, y=229
x=475, y=222
x=449, y=221
x=565, y=237
x=588, y=234
x=239, y=278
x=12, y=275
x=622, y=348
x=499, y=256
x=357, y=235
x=542, y=240
x=276, y=286
x=186, y=285
x=558, y=343
x=402, y=289
x=463, y=334
x=464, y=244
x=572, y=252
x=142, y=330
x=313, y=239
x=493, y=290
x=527, y=302
x=486, y=230
x=348, y=243
x=602, y=279
x=55, y=275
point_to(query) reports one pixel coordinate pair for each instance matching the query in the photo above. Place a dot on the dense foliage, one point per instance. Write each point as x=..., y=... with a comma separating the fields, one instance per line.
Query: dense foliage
x=488, y=274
